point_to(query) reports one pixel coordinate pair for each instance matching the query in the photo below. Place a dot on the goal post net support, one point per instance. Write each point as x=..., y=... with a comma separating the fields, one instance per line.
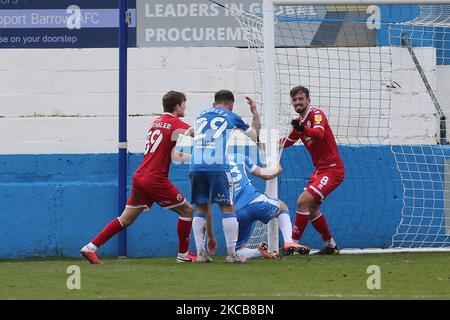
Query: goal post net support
x=380, y=70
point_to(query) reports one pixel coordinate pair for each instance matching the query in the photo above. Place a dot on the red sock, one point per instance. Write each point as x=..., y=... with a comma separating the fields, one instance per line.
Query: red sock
x=111, y=229
x=301, y=221
x=184, y=233
x=320, y=224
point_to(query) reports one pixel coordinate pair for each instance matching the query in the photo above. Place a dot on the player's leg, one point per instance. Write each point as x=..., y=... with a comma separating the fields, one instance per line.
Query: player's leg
x=199, y=229
x=320, y=224
x=222, y=193
x=127, y=217
x=248, y=253
x=261, y=251
x=304, y=203
x=308, y=209
x=167, y=196
x=230, y=227
x=200, y=197
x=242, y=251
x=138, y=201
x=212, y=241
x=184, y=227
x=325, y=182
x=285, y=225
x=245, y=228
x=261, y=209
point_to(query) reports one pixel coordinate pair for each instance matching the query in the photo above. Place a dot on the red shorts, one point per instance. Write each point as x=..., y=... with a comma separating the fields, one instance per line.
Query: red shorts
x=149, y=189
x=323, y=182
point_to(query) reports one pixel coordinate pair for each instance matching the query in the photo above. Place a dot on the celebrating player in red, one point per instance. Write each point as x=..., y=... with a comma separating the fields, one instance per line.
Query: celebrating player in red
x=151, y=183
x=313, y=129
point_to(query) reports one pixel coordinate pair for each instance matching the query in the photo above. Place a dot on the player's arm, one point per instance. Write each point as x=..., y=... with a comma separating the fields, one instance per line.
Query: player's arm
x=255, y=129
x=263, y=173
x=317, y=131
x=290, y=139
x=178, y=156
x=182, y=128
x=189, y=131
x=267, y=173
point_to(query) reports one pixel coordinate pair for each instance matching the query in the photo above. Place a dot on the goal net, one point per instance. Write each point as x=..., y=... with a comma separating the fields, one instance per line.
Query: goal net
x=381, y=75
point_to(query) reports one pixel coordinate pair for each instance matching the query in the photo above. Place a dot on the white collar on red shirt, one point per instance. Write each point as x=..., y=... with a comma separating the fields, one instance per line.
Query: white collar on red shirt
x=310, y=108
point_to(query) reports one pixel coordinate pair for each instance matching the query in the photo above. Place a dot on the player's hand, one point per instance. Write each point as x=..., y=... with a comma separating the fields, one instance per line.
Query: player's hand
x=280, y=169
x=297, y=125
x=252, y=104
x=212, y=246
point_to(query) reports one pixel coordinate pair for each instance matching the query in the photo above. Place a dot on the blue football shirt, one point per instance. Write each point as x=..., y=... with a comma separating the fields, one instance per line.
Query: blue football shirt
x=244, y=191
x=213, y=128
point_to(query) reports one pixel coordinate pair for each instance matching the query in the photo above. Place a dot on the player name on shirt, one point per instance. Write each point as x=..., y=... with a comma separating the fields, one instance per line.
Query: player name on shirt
x=219, y=111
x=160, y=143
x=163, y=125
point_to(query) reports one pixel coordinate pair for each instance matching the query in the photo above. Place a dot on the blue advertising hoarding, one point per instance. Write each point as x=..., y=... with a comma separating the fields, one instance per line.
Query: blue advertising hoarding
x=63, y=23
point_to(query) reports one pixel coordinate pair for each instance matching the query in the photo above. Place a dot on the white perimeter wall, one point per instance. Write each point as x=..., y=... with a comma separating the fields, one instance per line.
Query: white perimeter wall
x=66, y=101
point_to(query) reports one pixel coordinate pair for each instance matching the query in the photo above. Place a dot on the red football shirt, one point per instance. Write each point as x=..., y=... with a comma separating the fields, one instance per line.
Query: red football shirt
x=161, y=140
x=318, y=140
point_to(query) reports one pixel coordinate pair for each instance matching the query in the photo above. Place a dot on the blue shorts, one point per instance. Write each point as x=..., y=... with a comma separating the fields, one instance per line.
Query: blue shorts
x=212, y=186
x=261, y=209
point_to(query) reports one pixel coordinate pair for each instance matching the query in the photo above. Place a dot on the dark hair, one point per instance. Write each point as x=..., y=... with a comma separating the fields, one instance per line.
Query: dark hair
x=224, y=97
x=171, y=99
x=299, y=89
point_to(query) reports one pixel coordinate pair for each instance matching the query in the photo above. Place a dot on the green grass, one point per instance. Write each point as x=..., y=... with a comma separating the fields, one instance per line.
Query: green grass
x=403, y=276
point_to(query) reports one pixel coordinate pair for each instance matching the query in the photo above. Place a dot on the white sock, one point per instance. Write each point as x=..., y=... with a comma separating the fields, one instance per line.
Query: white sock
x=330, y=243
x=199, y=227
x=285, y=225
x=248, y=253
x=91, y=246
x=231, y=231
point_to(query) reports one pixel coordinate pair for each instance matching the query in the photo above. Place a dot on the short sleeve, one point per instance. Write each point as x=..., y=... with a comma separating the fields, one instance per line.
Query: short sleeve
x=249, y=164
x=319, y=120
x=241, y=124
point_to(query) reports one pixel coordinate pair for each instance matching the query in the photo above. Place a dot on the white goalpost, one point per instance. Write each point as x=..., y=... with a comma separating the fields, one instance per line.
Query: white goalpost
x=384, y=84
x=272, y=149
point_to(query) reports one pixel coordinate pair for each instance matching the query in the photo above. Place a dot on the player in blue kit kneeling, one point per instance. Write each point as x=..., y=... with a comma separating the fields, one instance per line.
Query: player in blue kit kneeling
x=253, y=206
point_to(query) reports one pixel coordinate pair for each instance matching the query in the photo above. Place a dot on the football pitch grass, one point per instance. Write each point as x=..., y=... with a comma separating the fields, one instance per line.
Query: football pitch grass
x=403, y=276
